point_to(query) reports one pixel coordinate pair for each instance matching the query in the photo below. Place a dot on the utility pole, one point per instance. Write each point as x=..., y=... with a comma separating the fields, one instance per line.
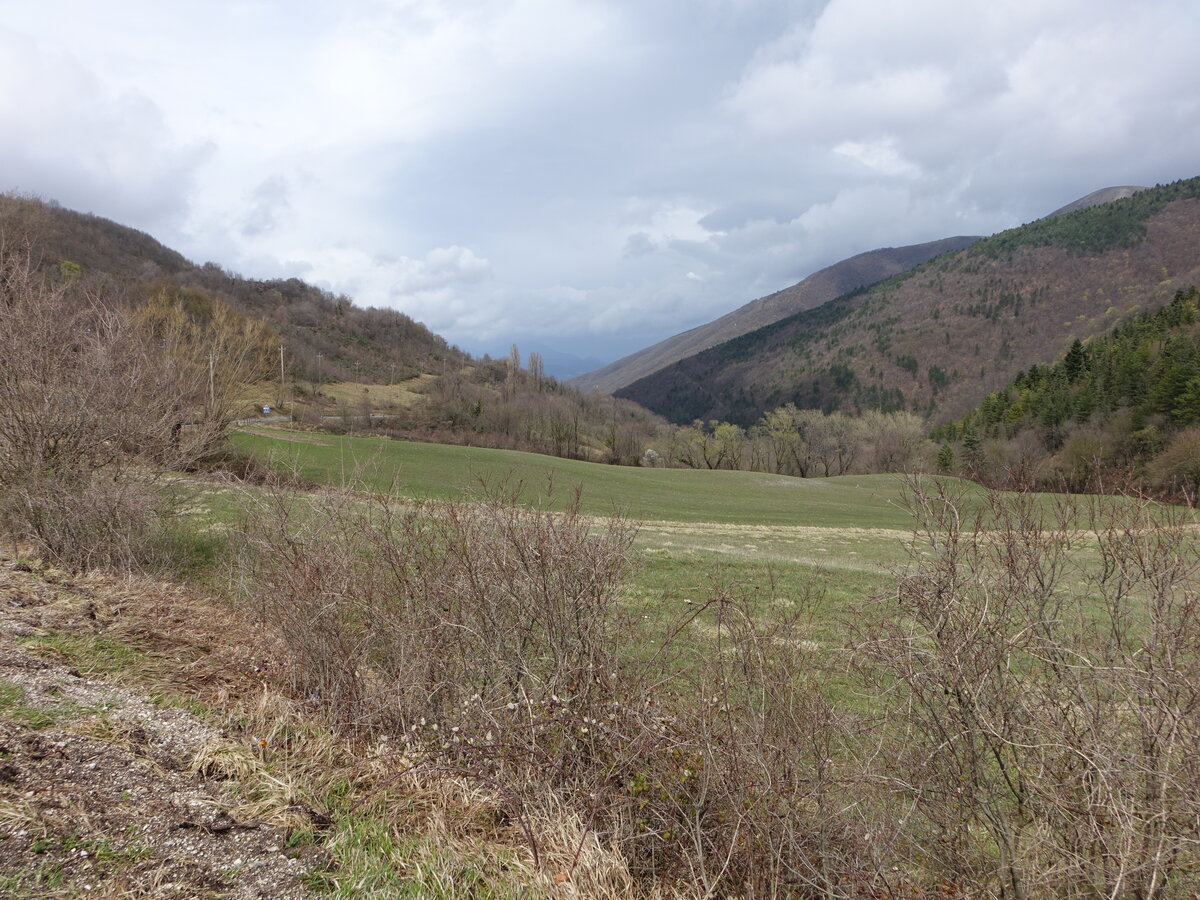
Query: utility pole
x=279, y=402
x=212, y=384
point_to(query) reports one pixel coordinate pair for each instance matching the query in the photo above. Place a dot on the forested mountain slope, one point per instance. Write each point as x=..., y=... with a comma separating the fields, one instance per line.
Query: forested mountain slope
x=326, y=336
x=820, y=287
x=940, y=337
x=1123, y=405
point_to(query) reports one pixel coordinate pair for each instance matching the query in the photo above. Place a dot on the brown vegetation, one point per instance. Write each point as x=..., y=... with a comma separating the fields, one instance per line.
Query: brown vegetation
x=95, y=398
x=939, y=339
x=1017, y=720
x=820, y=287
x=327, y=338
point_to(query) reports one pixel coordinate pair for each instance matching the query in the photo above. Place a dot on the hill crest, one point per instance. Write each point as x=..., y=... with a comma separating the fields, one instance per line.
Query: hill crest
x=328, y=338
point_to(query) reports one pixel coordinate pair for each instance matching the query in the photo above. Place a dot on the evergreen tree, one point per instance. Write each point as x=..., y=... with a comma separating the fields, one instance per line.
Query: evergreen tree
x=1074, y=362
x=972, y=450
x=945, y=458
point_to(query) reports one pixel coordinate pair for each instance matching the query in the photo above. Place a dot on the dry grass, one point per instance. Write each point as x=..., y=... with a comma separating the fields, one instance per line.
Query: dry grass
x=282, y=763
x=379, y=396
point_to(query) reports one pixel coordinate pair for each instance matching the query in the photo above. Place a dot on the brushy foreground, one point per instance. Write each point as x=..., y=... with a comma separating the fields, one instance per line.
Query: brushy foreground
x=1019, y=718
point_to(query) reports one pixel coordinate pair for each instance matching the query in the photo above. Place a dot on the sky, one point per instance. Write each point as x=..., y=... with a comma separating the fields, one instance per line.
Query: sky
x=584, y=176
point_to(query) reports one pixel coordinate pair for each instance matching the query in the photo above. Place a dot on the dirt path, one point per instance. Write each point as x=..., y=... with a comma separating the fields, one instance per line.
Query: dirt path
x=99, y=790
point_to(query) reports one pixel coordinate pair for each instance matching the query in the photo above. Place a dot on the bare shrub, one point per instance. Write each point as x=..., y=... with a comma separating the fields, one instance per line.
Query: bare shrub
x=1042, y=678
x=85, y=522
x=404, y=612
x=93, y=400
x=750, y=787
x=489, y=636
x=1176, y=470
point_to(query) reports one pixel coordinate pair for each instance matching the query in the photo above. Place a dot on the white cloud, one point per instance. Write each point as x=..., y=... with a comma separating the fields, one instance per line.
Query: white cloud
x=88, y=144
x=881, y=156
x=576, y=169
x=409, y=70
x=421, y=285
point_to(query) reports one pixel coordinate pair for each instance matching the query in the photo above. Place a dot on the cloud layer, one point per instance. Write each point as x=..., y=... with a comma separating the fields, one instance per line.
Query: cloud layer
x=577, y=174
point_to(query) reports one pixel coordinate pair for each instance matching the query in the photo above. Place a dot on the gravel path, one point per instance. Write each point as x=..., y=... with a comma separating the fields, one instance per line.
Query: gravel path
x=98, y=790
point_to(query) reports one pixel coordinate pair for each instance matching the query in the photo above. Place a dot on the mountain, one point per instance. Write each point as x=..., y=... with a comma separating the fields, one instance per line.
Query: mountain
x=327, y=338
x=1104, y=195
x=938, y=338
x=820, y=287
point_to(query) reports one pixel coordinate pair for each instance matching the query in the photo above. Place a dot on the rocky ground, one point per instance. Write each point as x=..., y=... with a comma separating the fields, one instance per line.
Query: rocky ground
x=104, y=789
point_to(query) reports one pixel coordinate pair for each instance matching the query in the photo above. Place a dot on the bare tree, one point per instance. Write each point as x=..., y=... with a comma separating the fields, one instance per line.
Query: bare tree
x=1042, y=671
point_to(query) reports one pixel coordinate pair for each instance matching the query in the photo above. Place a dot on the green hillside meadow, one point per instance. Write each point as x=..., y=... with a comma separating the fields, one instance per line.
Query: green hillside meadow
x=831, y=543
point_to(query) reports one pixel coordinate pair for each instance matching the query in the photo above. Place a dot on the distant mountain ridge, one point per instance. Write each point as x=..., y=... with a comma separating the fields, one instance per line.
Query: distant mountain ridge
x=939, y=337
x=820, y=287
x=842, y=277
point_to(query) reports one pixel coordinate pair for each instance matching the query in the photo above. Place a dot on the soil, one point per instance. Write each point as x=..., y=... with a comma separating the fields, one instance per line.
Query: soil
x=99, y=793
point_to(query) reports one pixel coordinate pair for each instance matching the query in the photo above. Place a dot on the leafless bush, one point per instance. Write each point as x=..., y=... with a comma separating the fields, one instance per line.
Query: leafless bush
x=405, y=612
x=85, y=522
x=1043, y=676
x=489, y=636
x=93, y=399
x=755, y=787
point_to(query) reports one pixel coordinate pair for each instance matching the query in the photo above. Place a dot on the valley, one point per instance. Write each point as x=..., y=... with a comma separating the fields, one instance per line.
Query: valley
x=447, y=624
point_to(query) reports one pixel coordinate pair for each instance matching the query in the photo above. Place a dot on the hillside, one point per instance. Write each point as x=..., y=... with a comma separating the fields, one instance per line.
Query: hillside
x=1124, y=406
x=940, y=337
x=820, y=287
x=327, y=338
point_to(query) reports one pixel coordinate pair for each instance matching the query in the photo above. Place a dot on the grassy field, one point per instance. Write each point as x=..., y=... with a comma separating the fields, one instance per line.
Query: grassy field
x=668, y=495
x=816, y=559
x=827, y=543
x=832, y=541
x=380, y=396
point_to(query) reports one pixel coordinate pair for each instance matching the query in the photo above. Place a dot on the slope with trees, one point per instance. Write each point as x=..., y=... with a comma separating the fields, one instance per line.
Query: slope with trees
x=326, y=336
x=820, y=287
x=1125, y=404
x=938, y=338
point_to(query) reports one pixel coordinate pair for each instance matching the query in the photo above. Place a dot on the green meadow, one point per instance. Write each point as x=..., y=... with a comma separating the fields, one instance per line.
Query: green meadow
x=830, y=541
x=824, y=545
x=426, y=471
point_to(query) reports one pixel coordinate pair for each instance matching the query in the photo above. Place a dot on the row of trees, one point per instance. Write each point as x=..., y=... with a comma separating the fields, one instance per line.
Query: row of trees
x=804, y=442
x=500, y=404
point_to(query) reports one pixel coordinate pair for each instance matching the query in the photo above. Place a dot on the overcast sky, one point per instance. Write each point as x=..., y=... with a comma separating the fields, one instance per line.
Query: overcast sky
x=588, y=175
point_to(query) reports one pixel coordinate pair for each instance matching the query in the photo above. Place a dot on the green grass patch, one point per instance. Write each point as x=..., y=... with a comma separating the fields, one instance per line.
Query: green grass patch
x=437, y=471
x=91, y=654
x=374, y=860
x=14, y=708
